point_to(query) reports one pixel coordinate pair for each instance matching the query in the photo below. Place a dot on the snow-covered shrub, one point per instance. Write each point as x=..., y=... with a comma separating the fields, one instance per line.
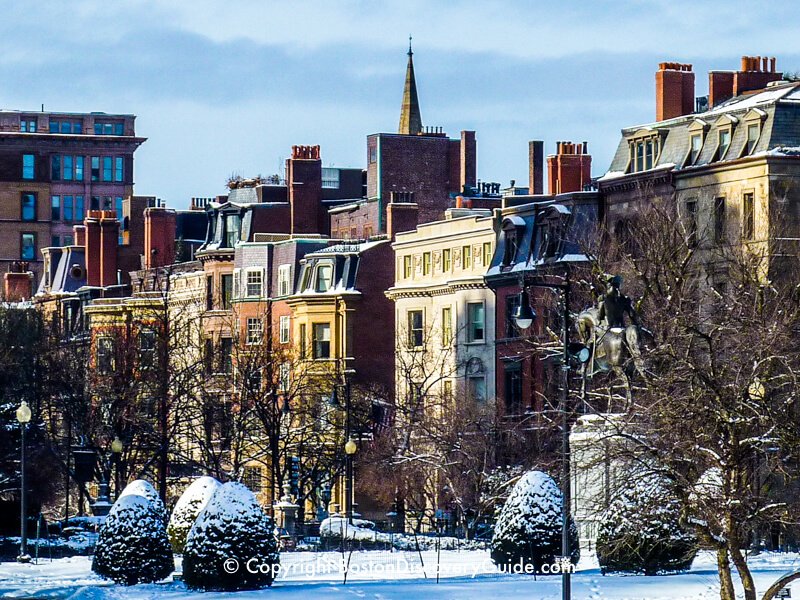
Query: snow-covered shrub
x=189, y=505
x=528, y=528
x=143, y=488
x=232, y=527
x=641, y=532
x=132, y=546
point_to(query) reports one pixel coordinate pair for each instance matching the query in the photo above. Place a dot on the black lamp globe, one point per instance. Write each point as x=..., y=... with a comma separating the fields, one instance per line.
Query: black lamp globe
x=523, y=314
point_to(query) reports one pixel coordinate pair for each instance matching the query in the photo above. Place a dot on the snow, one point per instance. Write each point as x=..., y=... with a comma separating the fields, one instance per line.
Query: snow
x=191, y=503
x=143, y=488
x=464, y=576
x=364, y=531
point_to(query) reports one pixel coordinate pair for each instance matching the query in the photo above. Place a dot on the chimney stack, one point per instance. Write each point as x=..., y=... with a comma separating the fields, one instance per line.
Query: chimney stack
x=468, y=159
x=102, y=240
x=536, y=167
x=18, y=282
x=570, y=169
x=304, y=179
x=159, y=237
x=674, y=90
x=756, y=72
x=401, y=217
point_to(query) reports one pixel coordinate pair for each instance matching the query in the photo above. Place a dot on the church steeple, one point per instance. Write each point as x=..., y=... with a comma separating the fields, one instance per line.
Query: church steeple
x=410, y=118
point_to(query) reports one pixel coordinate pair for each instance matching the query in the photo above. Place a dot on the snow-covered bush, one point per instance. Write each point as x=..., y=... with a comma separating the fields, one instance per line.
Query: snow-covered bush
x=189, y=505
x=132, y=546
x=528, y=528
x=231, y=530
x=143, y=488
x=640, y=531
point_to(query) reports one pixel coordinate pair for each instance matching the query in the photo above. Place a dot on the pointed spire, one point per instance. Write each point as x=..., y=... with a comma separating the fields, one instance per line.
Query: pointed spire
x=410, y=118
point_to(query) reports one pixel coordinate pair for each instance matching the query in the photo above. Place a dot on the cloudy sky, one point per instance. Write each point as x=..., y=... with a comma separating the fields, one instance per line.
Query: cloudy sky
x=224, y=87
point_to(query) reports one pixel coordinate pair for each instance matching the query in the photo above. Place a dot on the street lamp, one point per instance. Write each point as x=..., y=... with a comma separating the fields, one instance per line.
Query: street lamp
x=23, y=418
x=350, y=449
x=524, y=316
x=116, y=453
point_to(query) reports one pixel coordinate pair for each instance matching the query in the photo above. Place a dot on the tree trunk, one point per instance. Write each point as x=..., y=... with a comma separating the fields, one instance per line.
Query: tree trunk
x=744, y=573
x=726, y=591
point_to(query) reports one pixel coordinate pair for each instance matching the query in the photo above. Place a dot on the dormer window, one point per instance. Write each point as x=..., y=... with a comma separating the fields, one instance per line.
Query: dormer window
x=754, y=121
x=753, y=133
x=645, y=148
x=696, y=144
x=324, y=277
x=724, y=143
x=512, y=237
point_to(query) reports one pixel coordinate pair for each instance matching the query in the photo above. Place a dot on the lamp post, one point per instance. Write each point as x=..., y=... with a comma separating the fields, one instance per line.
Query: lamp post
x=350, y=446
x=23, y=418
x=524, y=316
x=116, y=454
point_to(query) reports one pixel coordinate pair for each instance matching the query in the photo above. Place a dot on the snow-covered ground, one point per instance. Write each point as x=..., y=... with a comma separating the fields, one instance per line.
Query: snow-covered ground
x=394, y=575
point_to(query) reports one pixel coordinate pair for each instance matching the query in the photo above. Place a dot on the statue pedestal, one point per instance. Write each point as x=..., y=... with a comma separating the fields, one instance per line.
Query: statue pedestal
x=596, y=471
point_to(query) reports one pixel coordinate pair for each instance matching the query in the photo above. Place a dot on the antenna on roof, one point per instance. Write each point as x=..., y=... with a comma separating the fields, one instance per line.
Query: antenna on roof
x=409, y=45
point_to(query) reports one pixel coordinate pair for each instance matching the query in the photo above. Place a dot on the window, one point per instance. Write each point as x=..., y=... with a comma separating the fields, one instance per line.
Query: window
x=95, y=168
x=447, y=260
x=65, y=126
x=232, y=223
x=643, y=153
x=324, y=277
x=28, y=246
x=68, y=241
x=487, y=253
x=252, y=478
x=226, y=285
x=373, y=154
x=696, y=142
x=512, y=303
x=104, y=355
x=107, y=162
x=303, y=341
x=477, y=387
x=284, y=280
x=79, y=208
x=237, y=281
x=27, y=125
x=748, y=216
x=118, y=168
x=322, y=340
x=753, y=133
x=416, y=326
x=284, y=376
x=78, y=168
x=28, y=166
x=466, y=257
x=55, y=241
x=284, y=329
x=719, y=220
x=147, y=348
x=426, y=263
x=226, y=354
x=475, y=315
x=513, y=389
x=330, y=178
x=55, y=208
x=255, y=331
x=691, y=223
x=109, y=128
x=255, y=280
x=447, y=389
x=447, y=326
x=28, y=206
x=407, y=266
x=209, y=292
x=724, y=143
x=55, y=167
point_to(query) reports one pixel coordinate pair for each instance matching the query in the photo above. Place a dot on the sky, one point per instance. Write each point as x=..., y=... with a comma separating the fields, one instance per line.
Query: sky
x=227, y=87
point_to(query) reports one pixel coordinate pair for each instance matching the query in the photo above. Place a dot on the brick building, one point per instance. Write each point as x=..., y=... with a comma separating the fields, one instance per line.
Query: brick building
x=54, y=167
x=417, y=164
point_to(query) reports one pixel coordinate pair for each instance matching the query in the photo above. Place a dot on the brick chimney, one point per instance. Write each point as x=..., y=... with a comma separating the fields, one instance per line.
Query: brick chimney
x=536, y=167
x=755, y=74
x=102, y=237
x=159, y=237
x=18, y=283
x=401, y=217
x=468, y=159
x=674, y=90
x=304, y=178
x=569, y=169
x=79, y=235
